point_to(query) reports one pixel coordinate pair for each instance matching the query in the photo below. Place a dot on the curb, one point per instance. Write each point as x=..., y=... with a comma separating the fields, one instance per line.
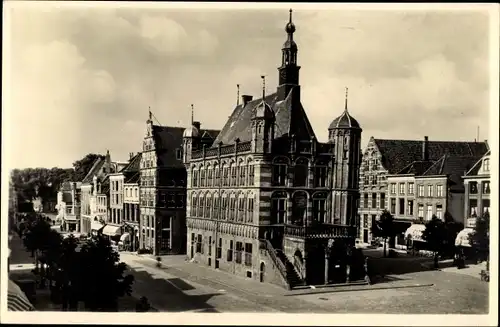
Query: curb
x=333, y=290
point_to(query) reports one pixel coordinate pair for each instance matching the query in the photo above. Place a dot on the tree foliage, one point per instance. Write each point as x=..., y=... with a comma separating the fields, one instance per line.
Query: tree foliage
x=92, y=273
x=103, y=281
x=384, y=227
x=480, y=238
x=435, y=235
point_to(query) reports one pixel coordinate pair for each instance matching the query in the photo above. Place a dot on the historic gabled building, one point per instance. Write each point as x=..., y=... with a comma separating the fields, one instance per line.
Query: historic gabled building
x=163, y=189
x=477, y=190
x=267, y=200
x=401, y=160
x=91, y=218
x=68, y=206
x=131, y=210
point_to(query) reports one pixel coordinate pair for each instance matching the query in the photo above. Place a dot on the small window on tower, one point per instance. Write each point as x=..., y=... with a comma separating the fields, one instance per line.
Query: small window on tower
x=178, y=154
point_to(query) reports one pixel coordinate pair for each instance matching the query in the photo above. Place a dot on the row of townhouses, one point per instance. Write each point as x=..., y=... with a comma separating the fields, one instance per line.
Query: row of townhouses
x=263, y=198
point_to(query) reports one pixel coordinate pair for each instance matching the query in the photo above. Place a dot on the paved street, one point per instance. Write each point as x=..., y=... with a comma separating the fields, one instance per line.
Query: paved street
x=184, y=286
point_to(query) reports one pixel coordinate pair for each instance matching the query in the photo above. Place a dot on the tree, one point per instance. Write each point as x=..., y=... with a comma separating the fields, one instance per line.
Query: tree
x=480, y=238
x=384, y=227
x=101, y=276
x=83, y=166
x=435, y=235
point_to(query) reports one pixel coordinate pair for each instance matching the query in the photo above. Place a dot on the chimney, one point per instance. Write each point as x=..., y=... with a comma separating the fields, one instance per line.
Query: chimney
x=246, y=99
x=197, y=124
x=131, y=155
x=107, y=162
x=425, y=149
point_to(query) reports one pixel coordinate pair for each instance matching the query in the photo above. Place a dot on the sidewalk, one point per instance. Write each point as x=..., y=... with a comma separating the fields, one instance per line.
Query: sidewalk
x=469, y=270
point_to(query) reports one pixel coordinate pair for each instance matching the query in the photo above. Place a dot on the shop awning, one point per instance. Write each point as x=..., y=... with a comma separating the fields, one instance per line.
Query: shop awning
x=415, y=232
x=17, y=299
x=125, y=237
x=111, y=230
x=56, y=227
x=463, y=237
x=95, y=225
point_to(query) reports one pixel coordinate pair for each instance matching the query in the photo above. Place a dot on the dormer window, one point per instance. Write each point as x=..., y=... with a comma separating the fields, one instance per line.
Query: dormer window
x=486, y=164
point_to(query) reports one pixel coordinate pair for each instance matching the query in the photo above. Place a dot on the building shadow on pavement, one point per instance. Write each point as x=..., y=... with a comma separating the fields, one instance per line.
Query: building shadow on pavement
x=168, y=294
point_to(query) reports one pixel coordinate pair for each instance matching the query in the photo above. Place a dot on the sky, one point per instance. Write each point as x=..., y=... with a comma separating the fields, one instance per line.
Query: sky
x=82, y=78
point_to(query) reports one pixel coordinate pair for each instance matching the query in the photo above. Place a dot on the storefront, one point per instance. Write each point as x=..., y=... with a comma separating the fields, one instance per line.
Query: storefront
x=113, y=232
x=463, y=245
x=413, y=237
x=96, y=227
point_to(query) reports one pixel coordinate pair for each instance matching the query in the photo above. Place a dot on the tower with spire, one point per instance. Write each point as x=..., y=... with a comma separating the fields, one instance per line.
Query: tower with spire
x=289, y=70
x=345, y=136
x=262, y=124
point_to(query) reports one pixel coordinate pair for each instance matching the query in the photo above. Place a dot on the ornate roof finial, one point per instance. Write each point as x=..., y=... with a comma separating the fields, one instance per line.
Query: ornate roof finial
x=238, y=95
x=346, y=96
x=263, y=86
x=150, y=113
x=290, y=27
x=192, y=114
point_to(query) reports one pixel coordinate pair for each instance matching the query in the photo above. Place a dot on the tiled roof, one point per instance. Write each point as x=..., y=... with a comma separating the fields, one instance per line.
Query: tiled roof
x=397, y=154
x=132, y=177
x=105, y=185
x=454, y=167
x=94, y=170
x=134, y=164
x=288, y=119
x=475, y=169
x=344, y=121
x=416, y=167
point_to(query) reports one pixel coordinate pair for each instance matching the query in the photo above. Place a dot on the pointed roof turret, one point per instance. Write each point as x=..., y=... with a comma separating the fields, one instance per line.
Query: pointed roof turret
x=263, y=109
x=345, y=120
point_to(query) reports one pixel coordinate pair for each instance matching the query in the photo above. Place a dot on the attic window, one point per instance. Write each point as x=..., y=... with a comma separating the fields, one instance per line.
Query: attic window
x=178, y=154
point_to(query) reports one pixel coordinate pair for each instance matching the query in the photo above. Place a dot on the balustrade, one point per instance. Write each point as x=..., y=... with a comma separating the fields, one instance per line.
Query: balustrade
x=320, y=231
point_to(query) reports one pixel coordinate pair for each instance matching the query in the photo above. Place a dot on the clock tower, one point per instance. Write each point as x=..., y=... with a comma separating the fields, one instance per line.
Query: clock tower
x=288, y=71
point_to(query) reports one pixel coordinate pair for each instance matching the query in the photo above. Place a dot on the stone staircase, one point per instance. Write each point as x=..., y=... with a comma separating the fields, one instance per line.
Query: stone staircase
x=292, y=275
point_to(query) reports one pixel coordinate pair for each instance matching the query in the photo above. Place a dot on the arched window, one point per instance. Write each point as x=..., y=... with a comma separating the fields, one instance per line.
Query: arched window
x=232, y=207
x=224, y=207
x=201, y=205
x=301, y=172
x=241, y=208
x=215, y=212
x=242, y=173
x=346, y=147
x=202, y=176
x=239, y=169
x=216, y=175
x=209, y=176
x=250, y=206
x=208, y=205
x=194, y=177
x=234, y=175
x=225, y=177
x=278, y=207
x=299, y=208
x=251, y=172
x=280, y=171
x=194, y=205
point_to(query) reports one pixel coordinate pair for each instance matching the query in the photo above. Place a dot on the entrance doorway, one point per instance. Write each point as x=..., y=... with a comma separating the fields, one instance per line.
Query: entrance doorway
x=365, y=235
x=262, y=271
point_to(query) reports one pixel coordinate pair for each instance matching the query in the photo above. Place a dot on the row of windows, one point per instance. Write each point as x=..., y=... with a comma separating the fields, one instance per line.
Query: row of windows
x=372, y=164
x=485, y=187
x=409, y=188
x=231, y=176
x=241, y=254
x=474, y=209
x=373, y=179
x=373, y=203
x=116, y=185
x=165, y=200
x=280, y=175
x=279, y=210
x=129, y=192
x=225, y=209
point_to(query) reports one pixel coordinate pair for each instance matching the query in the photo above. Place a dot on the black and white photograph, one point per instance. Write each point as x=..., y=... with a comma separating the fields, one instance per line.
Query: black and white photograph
x=273, y=161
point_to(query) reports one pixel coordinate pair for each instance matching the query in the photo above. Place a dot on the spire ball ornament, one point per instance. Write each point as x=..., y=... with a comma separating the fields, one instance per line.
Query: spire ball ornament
x=290, y=27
